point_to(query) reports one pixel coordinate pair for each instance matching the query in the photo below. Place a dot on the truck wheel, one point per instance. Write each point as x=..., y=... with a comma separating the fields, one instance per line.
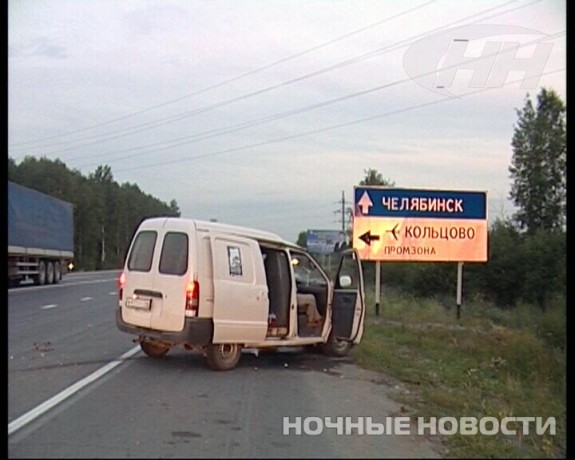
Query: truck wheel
x=57, y=273
x=336, y=347
x=154, y=349
x=40, y=278
x=223, y=356
x=49, y=273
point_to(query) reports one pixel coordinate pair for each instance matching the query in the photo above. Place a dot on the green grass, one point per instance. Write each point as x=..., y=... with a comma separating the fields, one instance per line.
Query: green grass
x=491, y=362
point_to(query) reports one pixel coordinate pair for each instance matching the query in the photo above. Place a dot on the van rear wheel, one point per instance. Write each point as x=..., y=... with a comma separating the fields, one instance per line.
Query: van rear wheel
x=154, y=349
x=223, y=356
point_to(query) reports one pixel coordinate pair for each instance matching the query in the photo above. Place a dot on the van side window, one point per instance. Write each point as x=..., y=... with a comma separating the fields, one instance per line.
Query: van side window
x=306, y=272
x=174, y=258
x=348, y=267
x=142, y=252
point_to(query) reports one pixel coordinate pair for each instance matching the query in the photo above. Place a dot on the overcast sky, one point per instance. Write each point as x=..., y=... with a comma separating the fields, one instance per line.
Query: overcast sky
x=262, y=112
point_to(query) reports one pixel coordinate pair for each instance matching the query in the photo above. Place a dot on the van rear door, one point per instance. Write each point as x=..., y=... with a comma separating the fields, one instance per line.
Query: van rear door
x=156, y=275
x=348, y=304
x=171, y=278
x=136, y=309
x=241, y=302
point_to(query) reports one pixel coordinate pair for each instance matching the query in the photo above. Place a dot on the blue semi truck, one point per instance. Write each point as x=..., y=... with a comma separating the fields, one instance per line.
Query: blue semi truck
x=40, y=236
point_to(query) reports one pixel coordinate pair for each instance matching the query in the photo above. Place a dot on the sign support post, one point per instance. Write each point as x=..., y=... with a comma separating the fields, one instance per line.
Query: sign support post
x=459, y=283
x=377, y=286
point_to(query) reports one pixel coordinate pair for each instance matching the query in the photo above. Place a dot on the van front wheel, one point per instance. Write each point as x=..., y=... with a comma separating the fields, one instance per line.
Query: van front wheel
x=336, y=347
x=223, y=356
x=154, y=349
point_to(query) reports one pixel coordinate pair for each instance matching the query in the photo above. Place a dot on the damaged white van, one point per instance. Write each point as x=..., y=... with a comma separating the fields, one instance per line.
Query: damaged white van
x=219, y=288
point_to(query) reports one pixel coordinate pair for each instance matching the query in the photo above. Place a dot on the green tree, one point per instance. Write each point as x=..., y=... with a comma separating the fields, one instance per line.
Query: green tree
x=538, y=166
x=47, y=176
x=502, y=279
x=302, y=239
x=86, y=225
x=174, y=209
x=544, y=267
x=374, y=177
x=12, y=170
x=102, y=180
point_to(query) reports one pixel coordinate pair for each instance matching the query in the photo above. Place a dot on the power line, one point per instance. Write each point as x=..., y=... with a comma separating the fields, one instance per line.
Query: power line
x=237, y=77
x=123, y=132
x=226, y=130
x=146, y=126
x=188, y=140
x=320, y=130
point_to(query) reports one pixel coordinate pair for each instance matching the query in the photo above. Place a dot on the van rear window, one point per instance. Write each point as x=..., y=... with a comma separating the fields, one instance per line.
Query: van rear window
x=174, y=259
x=142, y=252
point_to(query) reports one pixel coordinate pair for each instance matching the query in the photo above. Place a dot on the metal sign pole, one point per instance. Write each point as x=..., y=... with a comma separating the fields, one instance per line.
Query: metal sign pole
x=377, y=286
x=459, y=283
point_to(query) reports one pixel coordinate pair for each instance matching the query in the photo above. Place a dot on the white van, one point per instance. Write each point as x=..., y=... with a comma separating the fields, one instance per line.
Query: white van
x=218, y=288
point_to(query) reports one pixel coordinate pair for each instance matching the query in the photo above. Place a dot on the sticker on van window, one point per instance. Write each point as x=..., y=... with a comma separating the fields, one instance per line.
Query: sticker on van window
x=235, y=261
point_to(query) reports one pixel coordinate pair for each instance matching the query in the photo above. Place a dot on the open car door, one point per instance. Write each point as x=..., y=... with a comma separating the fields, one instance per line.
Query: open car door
x=348, y=305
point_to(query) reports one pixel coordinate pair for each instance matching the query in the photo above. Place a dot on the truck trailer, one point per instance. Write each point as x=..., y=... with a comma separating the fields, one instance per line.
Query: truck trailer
x=40, y=236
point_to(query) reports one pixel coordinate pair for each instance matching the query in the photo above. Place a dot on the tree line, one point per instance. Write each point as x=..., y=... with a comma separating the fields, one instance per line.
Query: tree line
x=106, y=213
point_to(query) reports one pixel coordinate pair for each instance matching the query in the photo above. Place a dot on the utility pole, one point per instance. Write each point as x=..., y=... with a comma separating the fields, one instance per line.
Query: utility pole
x=343, y=211
x=345, y=208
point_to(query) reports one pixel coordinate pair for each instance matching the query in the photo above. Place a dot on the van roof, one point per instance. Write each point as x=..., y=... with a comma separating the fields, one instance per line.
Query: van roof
x=237, y=230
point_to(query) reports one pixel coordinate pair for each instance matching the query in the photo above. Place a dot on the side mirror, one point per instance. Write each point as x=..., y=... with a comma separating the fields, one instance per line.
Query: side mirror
x=345, y=281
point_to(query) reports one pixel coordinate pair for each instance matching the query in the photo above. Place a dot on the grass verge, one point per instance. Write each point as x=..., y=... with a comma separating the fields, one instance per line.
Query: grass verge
x=490, y=363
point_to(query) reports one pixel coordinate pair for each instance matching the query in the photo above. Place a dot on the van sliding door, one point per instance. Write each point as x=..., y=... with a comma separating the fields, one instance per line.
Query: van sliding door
x=241, y=302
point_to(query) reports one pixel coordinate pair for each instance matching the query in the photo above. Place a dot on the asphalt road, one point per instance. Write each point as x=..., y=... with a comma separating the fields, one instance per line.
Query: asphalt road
x=79, y=388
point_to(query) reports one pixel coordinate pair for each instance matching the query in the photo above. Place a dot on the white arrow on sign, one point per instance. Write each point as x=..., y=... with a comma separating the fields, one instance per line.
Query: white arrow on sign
x=365, y=203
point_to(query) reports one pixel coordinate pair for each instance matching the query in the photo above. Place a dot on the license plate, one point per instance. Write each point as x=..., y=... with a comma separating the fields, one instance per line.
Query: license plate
x=143, y=304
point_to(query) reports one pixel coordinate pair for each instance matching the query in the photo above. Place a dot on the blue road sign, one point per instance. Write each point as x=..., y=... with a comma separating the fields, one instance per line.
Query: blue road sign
x=394, y=202
x=394, y=224
x=325, y=241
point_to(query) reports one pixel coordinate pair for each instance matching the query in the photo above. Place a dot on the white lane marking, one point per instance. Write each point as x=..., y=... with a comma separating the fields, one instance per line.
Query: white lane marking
x=47, y=307
x=33, y=414
x=113, y=293
x=61, y=285
x=85, y=299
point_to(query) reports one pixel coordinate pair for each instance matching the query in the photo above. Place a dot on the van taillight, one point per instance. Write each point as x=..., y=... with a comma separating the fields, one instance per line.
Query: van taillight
x=121, y=283
x=192, y=296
